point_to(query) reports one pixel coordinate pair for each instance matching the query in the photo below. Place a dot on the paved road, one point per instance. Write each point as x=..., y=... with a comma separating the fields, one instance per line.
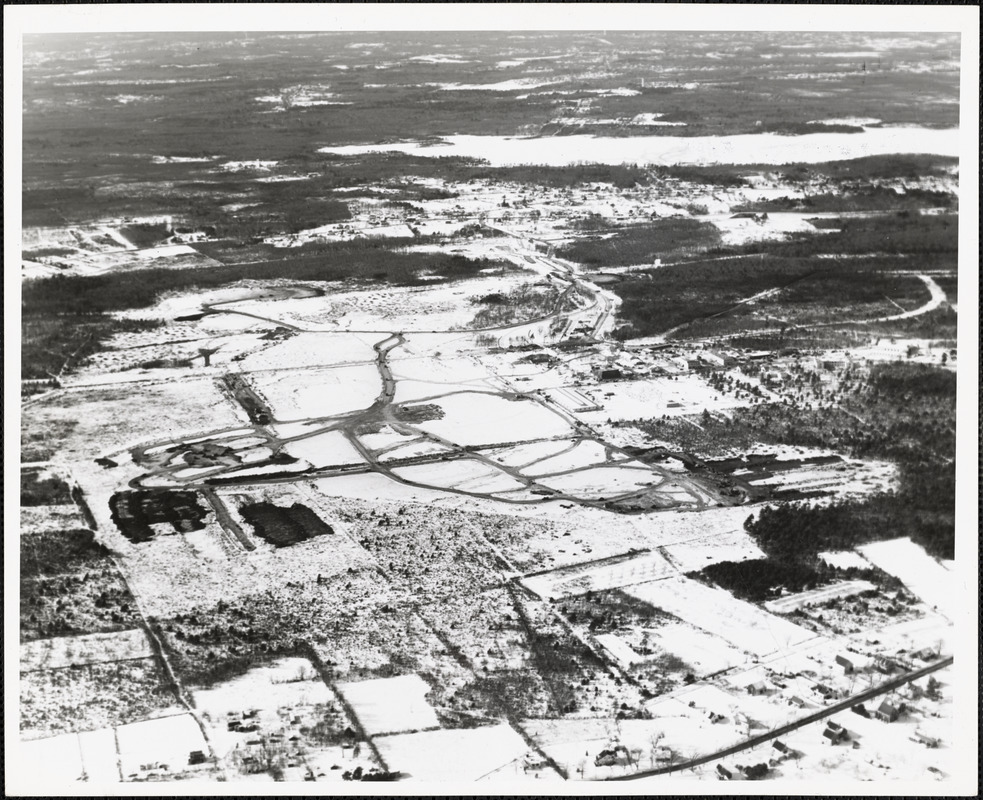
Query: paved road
x=843, y=705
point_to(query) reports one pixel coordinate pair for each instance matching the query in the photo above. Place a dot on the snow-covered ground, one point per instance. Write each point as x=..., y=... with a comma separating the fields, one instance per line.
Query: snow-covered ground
x=732, y=149
x=581, y=454
x=167, y=740
x=599, y=576
x=921, y=573
x=391, y=705
x=844, y=559
x=302, y=394
x=718, y=612
x=92, y=648
x=109, y=755
x=792, y=602
x=604, y=482
x=324, y=449
x=479, y=418
x=44, y=519
x=712, y=548
x=460, y=474
x=464, y=754
x=704, y=652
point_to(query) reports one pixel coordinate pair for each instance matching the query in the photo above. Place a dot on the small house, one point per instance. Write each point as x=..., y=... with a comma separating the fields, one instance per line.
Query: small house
x=885, y=664
x=846, y=663
x=724, y=774
x=796, y=701
x=756, y=688
x=827, y=692
x=887, y=712
x=834, y=734
x=661, y=754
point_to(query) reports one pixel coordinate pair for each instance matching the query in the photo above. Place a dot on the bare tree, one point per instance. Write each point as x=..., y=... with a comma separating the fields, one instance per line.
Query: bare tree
x=654, y=746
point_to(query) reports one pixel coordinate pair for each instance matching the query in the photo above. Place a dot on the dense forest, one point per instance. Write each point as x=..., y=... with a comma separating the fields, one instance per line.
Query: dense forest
x=642, y=244
x=693, y=289
x=761, y=579
x=910, y=414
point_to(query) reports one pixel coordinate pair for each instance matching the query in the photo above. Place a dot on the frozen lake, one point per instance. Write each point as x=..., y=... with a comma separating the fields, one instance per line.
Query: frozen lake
x=753, y=148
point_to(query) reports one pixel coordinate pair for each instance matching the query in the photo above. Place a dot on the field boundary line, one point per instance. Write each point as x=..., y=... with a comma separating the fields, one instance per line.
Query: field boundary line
x=307, y=649
x=160, y=655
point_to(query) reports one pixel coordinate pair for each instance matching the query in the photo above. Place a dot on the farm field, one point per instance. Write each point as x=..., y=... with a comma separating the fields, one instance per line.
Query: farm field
x=490, y=754
x=716, y=611
x=93, y=648
x=391, y=705
x=925, y=577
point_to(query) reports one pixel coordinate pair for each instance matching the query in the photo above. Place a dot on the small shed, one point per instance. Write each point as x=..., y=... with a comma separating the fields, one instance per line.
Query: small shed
x=757, y=688
x=846, y=663
x=723, y=773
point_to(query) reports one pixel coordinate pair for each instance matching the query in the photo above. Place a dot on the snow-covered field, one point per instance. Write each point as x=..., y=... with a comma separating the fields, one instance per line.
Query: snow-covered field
x=43, y=519
x=57, y=761
x=844, y=559
x=167, y=740
x=302, y=394
x=718, y=612
x=93, y=648
x=479, y=418
x=603, y=482
x=524, y=454
x=653, y=397
x=581, y=454
x=732, y=149
x=324, y=449
x=598, y=576
x=703, y=651
x=391, y=705
x=619, y=649
x=109, y=755
x=922, y=574
x=313, y=350
x=696, y=554
x=464, y=754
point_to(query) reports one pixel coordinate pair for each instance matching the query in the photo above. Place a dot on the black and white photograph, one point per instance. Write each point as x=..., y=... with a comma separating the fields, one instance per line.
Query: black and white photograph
x=493, y=399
